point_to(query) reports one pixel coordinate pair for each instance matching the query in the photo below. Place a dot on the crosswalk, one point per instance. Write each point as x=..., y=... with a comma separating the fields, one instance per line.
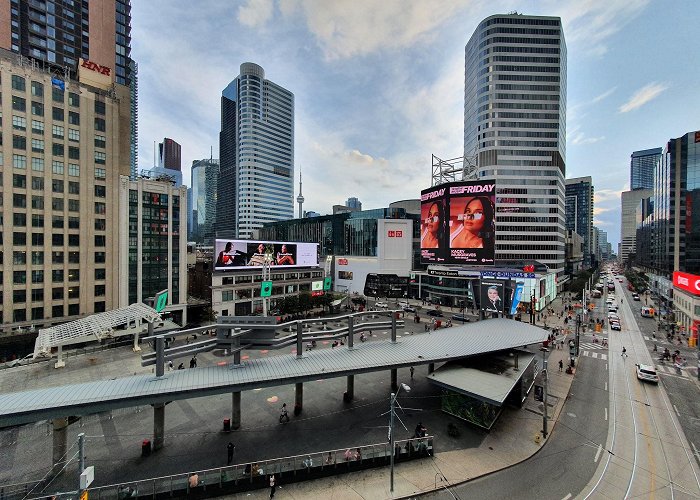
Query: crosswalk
x=594, y=354
x=685, y=372
x=591, y=345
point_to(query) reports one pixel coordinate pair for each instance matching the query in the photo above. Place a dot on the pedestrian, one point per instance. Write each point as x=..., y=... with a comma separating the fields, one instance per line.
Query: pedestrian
x=170, y=365
x=181, y=366
x=561, y=365
x=193, y=363
x=272, y=486
x=624, y=352
x=230, y=447
x=412, y=370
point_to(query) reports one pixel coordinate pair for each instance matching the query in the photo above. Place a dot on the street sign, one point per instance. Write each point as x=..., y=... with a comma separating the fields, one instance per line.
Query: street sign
x=266, y=288
x=327, y=283
x=161, y=300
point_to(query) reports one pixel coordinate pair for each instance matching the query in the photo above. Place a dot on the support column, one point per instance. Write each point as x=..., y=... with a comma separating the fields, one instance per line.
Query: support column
x=158, y=425
x=59, y=362
x=350, y=391
x=393, y=327
x=394, y=379
x=300, y=340
x=431, y=367
x=351, y=330
x=236, y=410
x=160, y=356
x=299, y=397
x=60, y=443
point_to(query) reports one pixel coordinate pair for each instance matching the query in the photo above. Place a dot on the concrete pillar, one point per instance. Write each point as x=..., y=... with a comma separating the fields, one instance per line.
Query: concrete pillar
x=236, y=410
x=160, y=356
x=431, y=367
x=394, y=380
x=393, y=327
x=300, y=340
x=158, y=425
x=60, y=443
x=351, y=387
x=59, y=362
x=351, y=331
x=299, y=396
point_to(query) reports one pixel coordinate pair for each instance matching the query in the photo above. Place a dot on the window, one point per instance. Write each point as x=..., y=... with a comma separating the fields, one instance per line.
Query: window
x=19, y=142
x=57, y=149
x=57, y=167
x=100, y=141
x=57, y=311
x=73, y=99
x=18, y=83
x=73, y=206
x=73, y=134
x=19, y=161
x=57, y=239
x=19, y=219
x=38, y=164
x=57, y=186
x=99, y=290
x=74, y=257
x=227, y=295
x=73, y=309
x=19, y=296
x=100, y=306
x=37, y=126
x=19, y=238
x=19, y=122
x=57, y=275
x=73, y=187
x=38, y=202
x=57, y=257
x=73, y=170
x=74, y=240
x=100, y=208
x=74, y=292
x=57, y=204
x=19, y=258
x=20, y=181
x=19, y=277
x=100, y=257
x=100, y=157
x=100, y=191
x=37, y=108
x=57, y=114
x=37, y=220
x=20, y=104
x=38, y=312
x=37, y=89
x=38, y=276
x=100, y=274
x=37, y=145
x=73, y=153
x=99, y=107
x=73, y=118
x=19, y=200
x=57, y=222
x=100, y=224
x=100, y=240
x=37, y=294
x=57, y=94
x=37, y=258
x=19, y=315
x=100, y=173
x=57, y=131
x=100, y=125
x=38, y=239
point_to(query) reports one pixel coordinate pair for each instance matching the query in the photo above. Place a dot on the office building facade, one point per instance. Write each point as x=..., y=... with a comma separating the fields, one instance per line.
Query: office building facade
x=579, y=213
x=515, y=125
x=256, y=145
x=630, y=204
x=642, y=166
x=205, y=182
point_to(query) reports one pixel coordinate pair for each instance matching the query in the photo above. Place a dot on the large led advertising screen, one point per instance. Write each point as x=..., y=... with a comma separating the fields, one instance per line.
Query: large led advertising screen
x=458, y=223
x=249, y=254
x=492, y=293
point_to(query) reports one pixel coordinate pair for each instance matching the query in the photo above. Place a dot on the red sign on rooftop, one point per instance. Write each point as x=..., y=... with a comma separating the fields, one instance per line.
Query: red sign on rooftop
x=688, y=282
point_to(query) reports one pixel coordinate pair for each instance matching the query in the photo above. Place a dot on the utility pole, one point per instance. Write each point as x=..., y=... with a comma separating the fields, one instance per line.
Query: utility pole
x=391, y=440
x=544, y=377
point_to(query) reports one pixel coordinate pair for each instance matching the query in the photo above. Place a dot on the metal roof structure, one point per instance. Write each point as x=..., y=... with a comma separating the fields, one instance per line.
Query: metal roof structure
x=94, y=327
x=442, y=345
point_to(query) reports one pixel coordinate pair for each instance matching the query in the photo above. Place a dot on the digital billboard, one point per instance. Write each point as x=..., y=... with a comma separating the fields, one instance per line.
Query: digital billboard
x=492, y=293
x=458, y=223
x=249, y=254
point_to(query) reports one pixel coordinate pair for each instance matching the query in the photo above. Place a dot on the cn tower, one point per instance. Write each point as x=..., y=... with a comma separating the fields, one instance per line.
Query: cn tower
x=300, y=198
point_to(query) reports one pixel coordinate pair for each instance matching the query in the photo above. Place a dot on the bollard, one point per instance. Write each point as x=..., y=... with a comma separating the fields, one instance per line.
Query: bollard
x=146, y=448
x=227, y=425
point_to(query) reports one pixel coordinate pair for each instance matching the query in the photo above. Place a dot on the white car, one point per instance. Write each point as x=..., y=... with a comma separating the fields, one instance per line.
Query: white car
x=647, y=373
x=381, y=305
x=615, y=325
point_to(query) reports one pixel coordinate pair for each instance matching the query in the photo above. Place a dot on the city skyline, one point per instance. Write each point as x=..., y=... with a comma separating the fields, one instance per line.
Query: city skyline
x=384, y=89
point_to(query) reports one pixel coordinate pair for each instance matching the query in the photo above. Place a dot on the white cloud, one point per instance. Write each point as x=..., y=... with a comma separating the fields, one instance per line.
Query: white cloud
x=604, y=95
x=255, y=13
x=580, y=138
x=643, y=96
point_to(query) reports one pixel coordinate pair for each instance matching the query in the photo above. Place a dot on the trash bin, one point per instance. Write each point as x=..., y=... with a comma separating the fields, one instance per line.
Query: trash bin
x=146, y=448
x=227, y=425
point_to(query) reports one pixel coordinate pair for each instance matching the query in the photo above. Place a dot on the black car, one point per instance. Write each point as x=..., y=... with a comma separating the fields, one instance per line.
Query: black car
x=460, y=317
x=434, y=312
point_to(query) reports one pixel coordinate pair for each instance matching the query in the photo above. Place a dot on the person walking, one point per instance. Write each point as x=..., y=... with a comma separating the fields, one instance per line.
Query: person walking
x=272, y=486
x=230, y=447
x=170, y=365
x=412, y=370
x=624, y=352
x=193, y=363
x=561, y=365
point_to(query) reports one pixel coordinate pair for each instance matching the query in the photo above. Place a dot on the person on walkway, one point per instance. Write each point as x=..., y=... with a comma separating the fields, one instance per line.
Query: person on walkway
x=272, y=486
x=170, y=365
x=561, y=365
x=624, y=352
x=412, y=370
x=229, y=452
x=181, y=366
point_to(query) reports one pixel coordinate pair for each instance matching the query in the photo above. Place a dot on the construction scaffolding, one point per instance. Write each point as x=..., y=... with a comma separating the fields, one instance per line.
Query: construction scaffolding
x=461, y=168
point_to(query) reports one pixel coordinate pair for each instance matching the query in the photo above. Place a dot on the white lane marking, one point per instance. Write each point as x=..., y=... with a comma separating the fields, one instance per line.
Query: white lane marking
x=597, y=454
x=594, y=354
x=695, y=450
x=606, y=367
x=676, y=409
x=606, y=414
x=603, y=356
x=567, y=497
x=606, y=386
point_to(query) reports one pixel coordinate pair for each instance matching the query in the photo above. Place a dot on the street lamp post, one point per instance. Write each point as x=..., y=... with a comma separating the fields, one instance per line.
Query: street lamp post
x=392, y=413
x=544, y=380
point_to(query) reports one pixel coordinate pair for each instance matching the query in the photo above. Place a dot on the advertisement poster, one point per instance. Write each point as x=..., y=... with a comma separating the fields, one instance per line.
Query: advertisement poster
x=517, y=296
x=249, y=254
x=458, y=223
x=492, y=296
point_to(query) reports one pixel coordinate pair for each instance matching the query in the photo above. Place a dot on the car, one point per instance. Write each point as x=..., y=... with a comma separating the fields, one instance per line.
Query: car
x=434, y=312
x=409, y=309
x=647, y=373
x=612, y=308
x=615, y=325
x=635, y=296
x=381, y=305
x=460, y=317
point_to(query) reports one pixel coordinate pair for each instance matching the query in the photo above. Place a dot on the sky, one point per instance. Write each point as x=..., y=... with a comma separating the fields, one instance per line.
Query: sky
x=379, y=85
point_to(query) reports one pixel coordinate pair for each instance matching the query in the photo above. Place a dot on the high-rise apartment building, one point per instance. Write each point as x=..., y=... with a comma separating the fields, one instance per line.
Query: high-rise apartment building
x=354, y=203
x=642, y=166
x=579, y=213
x=169, y=155
x=256, y=145
x=205, y=183
x=604, y=247
x=515, y=124
x=630, y=205
x=69, y=120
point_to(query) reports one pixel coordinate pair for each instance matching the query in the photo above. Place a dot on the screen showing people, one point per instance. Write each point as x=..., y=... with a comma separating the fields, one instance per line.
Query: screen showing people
x=458, y=223
x=245, y=253
x=492, y=296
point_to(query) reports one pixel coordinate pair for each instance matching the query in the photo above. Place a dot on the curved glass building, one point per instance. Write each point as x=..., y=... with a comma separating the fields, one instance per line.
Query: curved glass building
x=515, y=125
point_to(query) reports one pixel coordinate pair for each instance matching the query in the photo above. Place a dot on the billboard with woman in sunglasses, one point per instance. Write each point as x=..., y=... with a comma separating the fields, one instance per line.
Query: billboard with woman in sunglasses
x=472, y=223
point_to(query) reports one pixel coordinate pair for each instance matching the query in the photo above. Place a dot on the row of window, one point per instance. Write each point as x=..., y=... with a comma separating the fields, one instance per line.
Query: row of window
x=57, y=221
x=57, y=185
x=57, y=239
x=57, y=166
x=20, y=104
x=58, y=95
x=19, y=296
x=37, y=313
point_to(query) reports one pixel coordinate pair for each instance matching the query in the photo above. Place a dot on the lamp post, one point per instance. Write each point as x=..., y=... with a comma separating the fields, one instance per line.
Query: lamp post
x=267, y=261
x=544, y=380
x=392, y=405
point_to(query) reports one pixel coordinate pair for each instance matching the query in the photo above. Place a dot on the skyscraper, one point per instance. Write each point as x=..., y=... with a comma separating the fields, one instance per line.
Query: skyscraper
x=642, y=165
x=579, y=213
x=353, y=202
x=169, y=155
x=256, y=145
x=515, y=124
x=205, y=182
x=629, y=202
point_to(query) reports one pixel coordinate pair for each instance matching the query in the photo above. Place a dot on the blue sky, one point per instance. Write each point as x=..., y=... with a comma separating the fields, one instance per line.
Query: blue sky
x=379, y=85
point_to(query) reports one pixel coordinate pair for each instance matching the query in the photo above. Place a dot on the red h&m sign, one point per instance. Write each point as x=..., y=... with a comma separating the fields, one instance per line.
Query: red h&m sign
x=342, y=262
x=688, y=282
x=103, y=70
x=395, y=234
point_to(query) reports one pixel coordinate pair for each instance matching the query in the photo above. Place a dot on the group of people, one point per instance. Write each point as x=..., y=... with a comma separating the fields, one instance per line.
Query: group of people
x=473, y=228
